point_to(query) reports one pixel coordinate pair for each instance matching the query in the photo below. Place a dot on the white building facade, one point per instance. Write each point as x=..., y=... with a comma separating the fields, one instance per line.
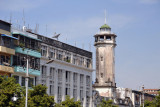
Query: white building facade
x=70, y=73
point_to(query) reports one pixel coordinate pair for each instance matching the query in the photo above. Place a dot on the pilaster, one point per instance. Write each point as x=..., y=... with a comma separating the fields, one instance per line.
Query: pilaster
x=63, y=84
x=84, y=91
x=78, y=86
x=55, y=84
x=71, y=85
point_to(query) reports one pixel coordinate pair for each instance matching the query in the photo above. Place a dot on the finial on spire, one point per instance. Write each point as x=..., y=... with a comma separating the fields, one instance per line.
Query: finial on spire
x=105, y=16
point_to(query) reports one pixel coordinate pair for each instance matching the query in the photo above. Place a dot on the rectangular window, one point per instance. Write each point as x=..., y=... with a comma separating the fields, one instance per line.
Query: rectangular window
x=75, y=94
x=88, y=80
x=81, y=95
x=23, y=81
x=44, y=69
x=59, y=55
x=75, y=78
x=16, y=78
x=51, y=73
x=44, y=51
x=67, y=76
x=52, y=53
x=51, y=89
x=81, y=79
x=59, y=75
x=30, y=83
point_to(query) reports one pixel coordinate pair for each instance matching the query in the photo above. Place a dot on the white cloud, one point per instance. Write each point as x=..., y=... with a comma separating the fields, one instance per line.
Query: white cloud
x=18, y=5
x=149, y=1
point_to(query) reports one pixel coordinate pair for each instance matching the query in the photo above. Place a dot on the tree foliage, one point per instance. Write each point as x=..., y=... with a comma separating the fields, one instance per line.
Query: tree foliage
x=69, y=102
x=37, y=97
x=9, y=89
x=108, y=103
x=153, y=103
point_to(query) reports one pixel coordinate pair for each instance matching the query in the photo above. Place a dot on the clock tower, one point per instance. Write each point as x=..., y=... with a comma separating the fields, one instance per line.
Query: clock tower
x=105, y=44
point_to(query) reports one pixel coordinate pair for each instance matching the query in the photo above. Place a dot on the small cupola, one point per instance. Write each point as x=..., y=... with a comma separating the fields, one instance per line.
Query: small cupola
x=105, y=28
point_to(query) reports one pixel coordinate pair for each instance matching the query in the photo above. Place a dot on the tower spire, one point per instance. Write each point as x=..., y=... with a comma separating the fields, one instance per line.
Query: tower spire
x=105, y=16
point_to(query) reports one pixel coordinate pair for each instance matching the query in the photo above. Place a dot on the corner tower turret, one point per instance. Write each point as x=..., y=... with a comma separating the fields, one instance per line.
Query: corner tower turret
x=105, y=62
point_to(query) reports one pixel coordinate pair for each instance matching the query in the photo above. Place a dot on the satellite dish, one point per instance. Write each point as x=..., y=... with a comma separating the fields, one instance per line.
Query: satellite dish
x=56, y=35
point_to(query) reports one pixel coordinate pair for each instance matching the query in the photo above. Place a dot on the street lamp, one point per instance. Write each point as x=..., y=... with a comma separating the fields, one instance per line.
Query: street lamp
x=27, y=77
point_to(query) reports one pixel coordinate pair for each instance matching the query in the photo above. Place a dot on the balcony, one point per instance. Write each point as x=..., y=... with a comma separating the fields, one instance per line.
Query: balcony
x=23, y=70
x=7, y=50
x=33, y=53
x=6, y=69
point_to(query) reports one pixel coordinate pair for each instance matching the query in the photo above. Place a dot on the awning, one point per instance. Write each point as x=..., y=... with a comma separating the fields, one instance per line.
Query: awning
x=9, y=36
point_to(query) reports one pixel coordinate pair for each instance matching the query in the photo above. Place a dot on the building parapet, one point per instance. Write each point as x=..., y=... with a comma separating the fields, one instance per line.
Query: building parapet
x=63, y=46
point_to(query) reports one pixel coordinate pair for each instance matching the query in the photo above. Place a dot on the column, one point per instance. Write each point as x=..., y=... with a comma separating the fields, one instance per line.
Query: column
x=47, y=79
x=71, y=85
x=133, y=99
x=78, y=86
x=84, y=91
x=55, y=84
x=71, y=58
x=63, y=84
x=90, y=95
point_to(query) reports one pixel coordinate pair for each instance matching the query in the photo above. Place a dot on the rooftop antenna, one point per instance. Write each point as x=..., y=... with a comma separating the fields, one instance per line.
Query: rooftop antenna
x=105, y=17
x=83, y=46
x=37, y=28
x=66, y=40
x=89, y=46
x=46, y=29
x=23, y=18
x=75, y=44
x=10, y=18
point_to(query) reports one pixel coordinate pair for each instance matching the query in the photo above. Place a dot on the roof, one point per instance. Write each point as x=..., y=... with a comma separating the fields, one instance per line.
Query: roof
x=105, y=26
x=26, y=36
x=152, y=89
x=5, y=22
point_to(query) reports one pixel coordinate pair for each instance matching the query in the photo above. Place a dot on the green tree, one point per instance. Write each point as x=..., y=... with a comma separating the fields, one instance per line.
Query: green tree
x=38, y=97
x=108, y=103
x=153, y=103
x=69, y=102
x=157, y=100
x=9, y=89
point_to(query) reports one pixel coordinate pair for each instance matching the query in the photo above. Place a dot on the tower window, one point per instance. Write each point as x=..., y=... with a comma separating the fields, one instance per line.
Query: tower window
x=108, y=38
x=96, y=39
x=101, y=58
x=101, y=38
x=101, y=75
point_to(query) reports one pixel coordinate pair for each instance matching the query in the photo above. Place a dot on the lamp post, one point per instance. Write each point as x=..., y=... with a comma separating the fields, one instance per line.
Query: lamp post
x=27, y=77
x=143, y=95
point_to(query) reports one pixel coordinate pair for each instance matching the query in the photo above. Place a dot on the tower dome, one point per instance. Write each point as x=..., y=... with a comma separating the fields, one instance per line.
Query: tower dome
x=105, y=26
x=105, y=29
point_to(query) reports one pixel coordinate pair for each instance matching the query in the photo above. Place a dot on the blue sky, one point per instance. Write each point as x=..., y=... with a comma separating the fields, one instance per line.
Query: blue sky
x=136, y=23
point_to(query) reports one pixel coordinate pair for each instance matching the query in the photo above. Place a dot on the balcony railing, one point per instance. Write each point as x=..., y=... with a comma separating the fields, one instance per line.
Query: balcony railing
x=23, y=70
x=7, y=50
x=28, y=51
